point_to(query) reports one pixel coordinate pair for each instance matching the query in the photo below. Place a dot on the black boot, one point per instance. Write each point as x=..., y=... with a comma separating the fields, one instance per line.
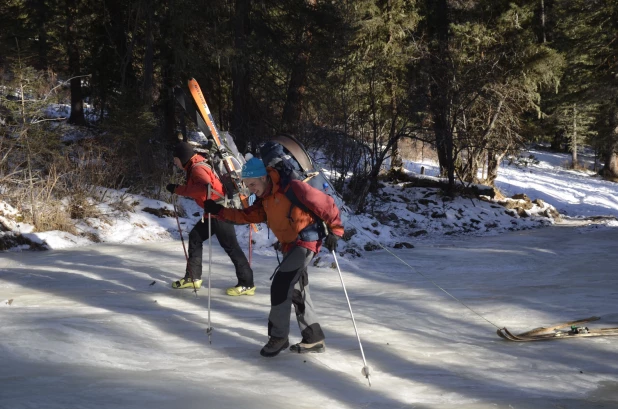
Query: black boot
x=274, y=346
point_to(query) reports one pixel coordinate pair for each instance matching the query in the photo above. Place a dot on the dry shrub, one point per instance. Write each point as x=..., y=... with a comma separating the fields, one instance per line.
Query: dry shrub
x=60, y=188
x=54, y=216
x=82, y=207
x=87, y=166
x=580, y=166
x=141, y=158
x=417, y=151
x=93, y=237
x=161, y=212
x=568, y=164
x=124, y=204
x=47, y=178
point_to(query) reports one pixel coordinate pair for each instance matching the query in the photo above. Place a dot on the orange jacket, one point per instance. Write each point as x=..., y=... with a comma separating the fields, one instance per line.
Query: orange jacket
x=199, y=176
x=283, y=218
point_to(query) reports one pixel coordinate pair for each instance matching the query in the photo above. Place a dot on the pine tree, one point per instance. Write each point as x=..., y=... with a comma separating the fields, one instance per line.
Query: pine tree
x=484, y=73
x=375, y=78
x=588, y=29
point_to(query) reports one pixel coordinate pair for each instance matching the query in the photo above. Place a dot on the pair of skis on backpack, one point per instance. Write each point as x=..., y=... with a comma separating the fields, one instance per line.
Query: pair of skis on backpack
x=204, y=121
x=197, y=110
x=564, y=330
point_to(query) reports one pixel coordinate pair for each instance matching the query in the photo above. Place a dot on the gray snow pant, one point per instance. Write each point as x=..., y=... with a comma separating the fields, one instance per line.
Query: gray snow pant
x=290, y=286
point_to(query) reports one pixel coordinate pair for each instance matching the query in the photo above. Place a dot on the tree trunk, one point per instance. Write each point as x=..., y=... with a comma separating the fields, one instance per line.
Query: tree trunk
x=169, y=72
x=469, y=173
x=241, y=95
x=611, y=151
x=148, y=84
x=41, y=11
x=119, y=31
x=574, y=139
x=292, y=110
x=543, y=34
x=557, y=140
x=444, y=143
x=493, y=164
x=396, y=159
x=475, y=155
x=77, y=103
x=440, y=88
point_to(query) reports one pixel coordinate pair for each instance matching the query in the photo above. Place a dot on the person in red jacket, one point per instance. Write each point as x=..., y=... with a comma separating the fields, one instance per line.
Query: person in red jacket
x=299, y=230
x=199, y=176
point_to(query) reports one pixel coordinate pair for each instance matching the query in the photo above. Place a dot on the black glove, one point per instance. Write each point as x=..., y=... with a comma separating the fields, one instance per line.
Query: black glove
x=171, y=187
x=212, y=207
x=330, y=242
x=277, y=246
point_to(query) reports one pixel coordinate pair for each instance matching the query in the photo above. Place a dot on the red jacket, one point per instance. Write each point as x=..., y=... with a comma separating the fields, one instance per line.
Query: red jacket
x=283, y=218
x=199, y=176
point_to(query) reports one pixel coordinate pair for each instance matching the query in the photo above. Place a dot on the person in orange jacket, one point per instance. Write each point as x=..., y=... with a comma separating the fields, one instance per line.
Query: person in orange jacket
x=199, y=176
x=298, y=225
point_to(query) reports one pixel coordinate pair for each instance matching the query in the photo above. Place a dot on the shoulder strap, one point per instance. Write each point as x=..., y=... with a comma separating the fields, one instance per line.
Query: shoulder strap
x=215, y=180
x=289, y=193
x=203, y=163
x=315, y=231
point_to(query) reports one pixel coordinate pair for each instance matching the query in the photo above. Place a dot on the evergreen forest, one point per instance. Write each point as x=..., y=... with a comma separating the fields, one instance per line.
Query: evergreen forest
x=472, y=80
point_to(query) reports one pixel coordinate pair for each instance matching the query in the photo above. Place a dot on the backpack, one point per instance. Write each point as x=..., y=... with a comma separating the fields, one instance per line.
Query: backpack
x=217, y=185
x=290, y=159
x=230, y=180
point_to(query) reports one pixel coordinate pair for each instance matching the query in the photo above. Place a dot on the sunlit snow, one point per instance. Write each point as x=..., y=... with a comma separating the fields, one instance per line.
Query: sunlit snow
x=98, y=326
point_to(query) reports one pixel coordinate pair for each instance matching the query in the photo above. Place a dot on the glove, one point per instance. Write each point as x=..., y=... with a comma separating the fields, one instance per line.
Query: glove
x=212, y=207
x=171, y=187
x=330, y=242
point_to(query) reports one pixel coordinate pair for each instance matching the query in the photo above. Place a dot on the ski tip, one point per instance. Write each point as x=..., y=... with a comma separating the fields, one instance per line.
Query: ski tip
x=502, y=333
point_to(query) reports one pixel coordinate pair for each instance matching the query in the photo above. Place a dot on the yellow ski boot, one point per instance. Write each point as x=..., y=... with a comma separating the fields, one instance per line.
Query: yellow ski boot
x=240, y=290
x=187, y=283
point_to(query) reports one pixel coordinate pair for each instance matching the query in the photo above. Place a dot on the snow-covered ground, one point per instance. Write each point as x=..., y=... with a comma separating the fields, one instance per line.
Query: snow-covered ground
x=87, y=329
x=543, y=175
x=98, y=326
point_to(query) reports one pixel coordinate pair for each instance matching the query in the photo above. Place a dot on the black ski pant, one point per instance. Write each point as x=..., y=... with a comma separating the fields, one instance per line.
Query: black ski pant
x=226, y=235
x=290, y=286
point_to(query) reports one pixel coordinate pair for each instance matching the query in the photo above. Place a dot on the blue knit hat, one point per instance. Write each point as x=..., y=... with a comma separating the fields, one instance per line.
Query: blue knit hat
x=254, y=168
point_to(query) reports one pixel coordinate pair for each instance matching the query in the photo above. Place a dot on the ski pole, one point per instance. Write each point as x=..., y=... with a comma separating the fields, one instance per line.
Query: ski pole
x=250, y=231
x=183, y=243
x=250, y=244
x=209, y=330
x=365, y=370
x=209, y=192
